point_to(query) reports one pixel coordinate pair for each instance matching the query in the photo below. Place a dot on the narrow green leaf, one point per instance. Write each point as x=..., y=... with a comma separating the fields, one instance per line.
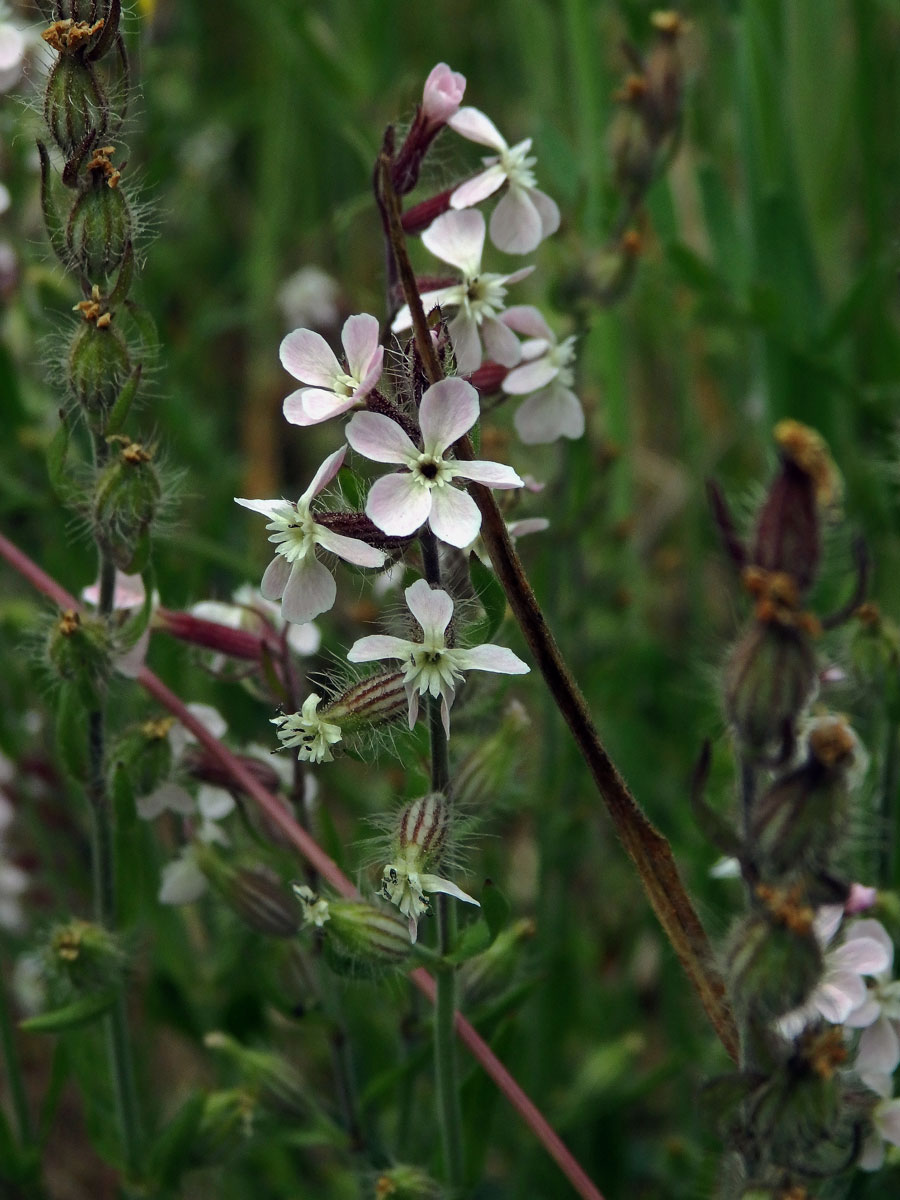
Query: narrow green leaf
x=56, y=459
x=72, y=731
x=173, y=1151
x=80, y=1012
x=122, y=406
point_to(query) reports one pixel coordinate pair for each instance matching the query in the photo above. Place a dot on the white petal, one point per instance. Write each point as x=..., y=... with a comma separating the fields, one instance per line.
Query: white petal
x=448, y=410
x=872, y=1157
x=528, y=525
x=439, y=298
x=879, y=1049
x=495, y=475
x=455, y=518
x=304, y=639
x=887, y=1120
x=458, y=239
x=380, y=439
x=549, y=414
x=500, y=343
x=434, y=883
x=214, y=803
x=293, y=409
x=360, y=341
x=377, y=646
x=529, y=321
x=863, y=955
x=182, y=881
x=837, y=997
x=478, y=188
x=827, y=922
x=311, y=590
x=466, y=343
x=515, y=226
x=870, y=928
x=499, y=659
x=867, y=1013
x=319, y=405
x=274, y=581
x=350, y=549
x=167, y=796
x=548, y=209
x=266, y=507
x=308, y=357
x=471, y=123
x=432, y=607
x=397, y=504
x=530, y=376
x=324, y=475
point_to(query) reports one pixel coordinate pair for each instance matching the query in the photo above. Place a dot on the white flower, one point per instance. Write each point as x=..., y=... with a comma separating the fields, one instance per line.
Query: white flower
x=182, y=880
x=879, y=1047
x=308, y=357
x=172, y=796
x=405, y=886
x=458, y=239
x=307, y=730
x=886, y=1124
x=315, y=909
x=553, y=410
x=309, y=297
x=841, y=989
x=401, y=502
x=430, y=665
x=442, y=94
x=525, y=216
x=128, y=594
x=295, y=576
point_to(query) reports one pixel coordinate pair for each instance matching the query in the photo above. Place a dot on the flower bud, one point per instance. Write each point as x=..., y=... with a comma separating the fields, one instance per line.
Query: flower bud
x=775, y=960
x=145, y=753
x=272, y=1079
x=255, y=893
x=358, y=932
x=227, y=1121
x=100, y=225
x=98, y=364
x=79, y=650
x=422, y=829
x=126, y=500
x=769, y=680
x=86, y=957
x=406, y=1183
x=487, y=769
x=75, y=107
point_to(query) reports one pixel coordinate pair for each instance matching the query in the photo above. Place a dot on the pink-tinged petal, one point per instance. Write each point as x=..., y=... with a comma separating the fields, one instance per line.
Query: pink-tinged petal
x=867, y=1013
x=432, y=607
x=458, y=239
x=466, y=343
x=311, y=590
x=129, y=664
x=529, y=321
x=837, y=997
x=518, y=276
x=491, y=658
x=861, y=897
x=879, y=1049
x=308, y=357
x=267, y=508
x=552, y=413
x=324, y=475
x=491, y=474
x=449, y=409
x=827, y=922
x=478, y=188
x=863, y=955
x=887, y=1118
x=515, y=226
x=360, y=341
x=455, y=518
x=528, y=525
x=304, y=639
x=372, y=375
x=274, y=581
x=434, y=883
x=548, y=210
x=319, y=405
x=870, y=928
x=445, y=297
x=293, y=409
x=350, y=549
x=128, y=592
x=471, y=123
x=377, y=646
x=501, y=343
x=442, y=93
x=413, y=706
x=530, y=377
x=397, y=504
x=380, y=439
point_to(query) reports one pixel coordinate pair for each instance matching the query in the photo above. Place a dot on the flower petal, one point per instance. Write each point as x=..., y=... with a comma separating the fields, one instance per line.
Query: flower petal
x=182, y=881
x=549, y=212
x=529, y=321
x=471, y=123
x=380, y=439
x=466, y=342
x=268, y=508
x=455, y=518
x=319, y=405
x=293, y=409
x=309, y=591
x=879, y=1049
x=214, y=803
x=478, y=188
x=350, y=549
x=324, y=475
x=432, y=607
x=359, y=338
x=458, y=239
x=445, y=297
x=862, y=955
x=434, y=883
x=397, y=504
x=836, y=998
x=500, y=342
x=488, y=657
x=449, y=409
x=515, y=226
x=871, y=928
x=491, y=474
x=308, y=357
x=530, y=376
x=274, y=581
x=549, y=414
x=377, y=646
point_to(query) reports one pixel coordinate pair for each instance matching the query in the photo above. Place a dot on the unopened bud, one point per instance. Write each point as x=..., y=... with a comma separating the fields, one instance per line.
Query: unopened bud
x=86, y=956
x=79, y=650
x=357, y=932
x=100, y=226
x=227, y=1121
x=275, y=1083
x=406, y=1183
x=483, y=773
x=98, y=367
x=254, y=893
x=422, y=829
x=145, y=753
x=75, y=106
x=775, y=960
x=373, y=701
x=770, y=678
x=127, y=497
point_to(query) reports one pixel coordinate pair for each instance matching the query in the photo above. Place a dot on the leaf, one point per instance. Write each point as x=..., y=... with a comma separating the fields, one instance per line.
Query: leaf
x=124, y=400
x=492, y=597
x=173, y=1151
x=72, y=731
x=56, y=459
x=82, y=1011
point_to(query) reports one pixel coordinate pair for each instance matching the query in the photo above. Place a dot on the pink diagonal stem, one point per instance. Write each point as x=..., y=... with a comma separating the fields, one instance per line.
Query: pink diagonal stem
x=328, y=869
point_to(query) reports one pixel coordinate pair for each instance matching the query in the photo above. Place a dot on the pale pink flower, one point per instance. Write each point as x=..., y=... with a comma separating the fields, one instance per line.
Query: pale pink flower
x=458, y=238
x=431, y=666
x=332, y=389
x=295, y=576
x=401, y=502
x=552, y=410
x=879, y=1013
x=442, y=94
x=129, y=595
x=524, y=216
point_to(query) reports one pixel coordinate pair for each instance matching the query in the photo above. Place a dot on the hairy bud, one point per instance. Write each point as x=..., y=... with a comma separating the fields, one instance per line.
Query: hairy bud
x=80, y=653
x=402, y=1182
x=98, y=363
x=85, y=956
x=145, y=753
x=775, y=960
x=358, y=931
x=126, y=499
x=75, y=107
x=255, y=893
x=100, y=225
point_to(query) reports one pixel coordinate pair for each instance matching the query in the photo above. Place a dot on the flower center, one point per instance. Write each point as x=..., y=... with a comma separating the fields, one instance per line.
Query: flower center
x=293, y=532
x=517, y=165
x=431, y=471
x=344, y=385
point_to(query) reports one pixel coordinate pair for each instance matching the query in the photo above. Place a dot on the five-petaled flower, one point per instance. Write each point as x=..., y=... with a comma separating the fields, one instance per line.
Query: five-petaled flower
x=295, y=576
x=401, y=502
x=458, y=239
x=525, y=215
x=331, y=390
x=405, y=886
x=552, y=410
x=431, y=666
x=311, y=734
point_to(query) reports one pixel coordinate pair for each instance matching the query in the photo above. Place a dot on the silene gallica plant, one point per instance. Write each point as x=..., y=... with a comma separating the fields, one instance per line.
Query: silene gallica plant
x=331, y=865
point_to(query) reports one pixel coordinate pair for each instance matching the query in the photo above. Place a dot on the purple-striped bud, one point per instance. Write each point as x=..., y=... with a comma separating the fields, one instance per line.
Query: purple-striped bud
x=422, y=829
x=255, y=893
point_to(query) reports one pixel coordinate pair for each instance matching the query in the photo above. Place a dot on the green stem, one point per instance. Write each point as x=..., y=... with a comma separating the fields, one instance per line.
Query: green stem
x=13, y=1072
x=445, y=1065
